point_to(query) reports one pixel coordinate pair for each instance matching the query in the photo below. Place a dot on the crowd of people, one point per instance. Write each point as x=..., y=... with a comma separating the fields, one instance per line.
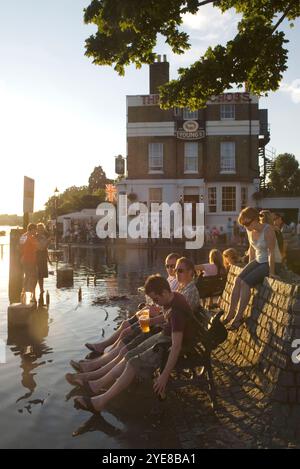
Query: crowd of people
x=81, y=233
x=171, y=303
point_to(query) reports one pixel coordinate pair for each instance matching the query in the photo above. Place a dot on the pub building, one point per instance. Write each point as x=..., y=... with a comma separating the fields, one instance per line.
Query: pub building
x=210, y=155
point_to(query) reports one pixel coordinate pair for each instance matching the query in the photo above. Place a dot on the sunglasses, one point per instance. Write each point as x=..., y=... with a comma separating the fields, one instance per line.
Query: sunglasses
x=170, y=266
x=180, y=271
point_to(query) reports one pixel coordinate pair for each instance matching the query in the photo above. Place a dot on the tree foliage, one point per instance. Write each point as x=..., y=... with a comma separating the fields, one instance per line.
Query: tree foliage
x=127, y=34
x=98, y=179
x=285, y=175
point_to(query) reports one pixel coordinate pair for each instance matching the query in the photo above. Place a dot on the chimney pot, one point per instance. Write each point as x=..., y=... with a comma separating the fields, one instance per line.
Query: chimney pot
x=159, y=73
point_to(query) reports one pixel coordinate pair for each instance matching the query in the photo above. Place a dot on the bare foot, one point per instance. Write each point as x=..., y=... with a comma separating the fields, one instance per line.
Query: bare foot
x=74, y=380
x=99, y=348
x=94, y=404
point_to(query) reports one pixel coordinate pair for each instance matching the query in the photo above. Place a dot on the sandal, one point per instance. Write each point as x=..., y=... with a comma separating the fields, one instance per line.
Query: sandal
x=86, y=405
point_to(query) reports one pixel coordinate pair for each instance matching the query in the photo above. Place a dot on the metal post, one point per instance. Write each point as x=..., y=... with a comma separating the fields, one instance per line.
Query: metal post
x=56, y=230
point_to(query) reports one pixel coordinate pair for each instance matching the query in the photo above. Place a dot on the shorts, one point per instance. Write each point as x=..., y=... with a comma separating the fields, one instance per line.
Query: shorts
x=140, y=337
x=254, y=273
x=146, y=358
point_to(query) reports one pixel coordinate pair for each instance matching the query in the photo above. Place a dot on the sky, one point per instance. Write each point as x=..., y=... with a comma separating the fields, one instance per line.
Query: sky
x=60, y=115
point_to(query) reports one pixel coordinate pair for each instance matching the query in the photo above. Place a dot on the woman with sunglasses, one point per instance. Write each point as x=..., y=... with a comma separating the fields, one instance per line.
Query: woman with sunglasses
x=262, y=262
x=185, y=273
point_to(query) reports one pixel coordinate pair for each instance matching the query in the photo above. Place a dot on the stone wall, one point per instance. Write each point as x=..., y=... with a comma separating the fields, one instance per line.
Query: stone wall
x=263, y=344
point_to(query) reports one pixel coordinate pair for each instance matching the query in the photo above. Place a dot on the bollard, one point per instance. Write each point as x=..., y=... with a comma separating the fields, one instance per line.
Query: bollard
x=95, y=279
x=19, y=314
x=79, y=294
x=87, y=280
x=15, y=267
x=47, y=298
x=41, y=300
x=64, y=277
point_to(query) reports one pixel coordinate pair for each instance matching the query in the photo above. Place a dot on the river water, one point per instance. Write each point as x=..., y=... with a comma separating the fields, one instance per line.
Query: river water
x=36, y=407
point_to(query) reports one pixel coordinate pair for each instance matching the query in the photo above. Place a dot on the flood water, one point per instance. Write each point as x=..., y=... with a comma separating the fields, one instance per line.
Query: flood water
x=36, y=407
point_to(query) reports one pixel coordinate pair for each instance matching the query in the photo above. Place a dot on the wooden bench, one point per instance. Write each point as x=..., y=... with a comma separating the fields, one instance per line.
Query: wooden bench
x=210, y=286
x=194, y=365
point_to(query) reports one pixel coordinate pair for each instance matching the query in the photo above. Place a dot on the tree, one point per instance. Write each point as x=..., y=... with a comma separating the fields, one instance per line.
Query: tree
x=98, y=179
x=127, y=34
x=285, y=175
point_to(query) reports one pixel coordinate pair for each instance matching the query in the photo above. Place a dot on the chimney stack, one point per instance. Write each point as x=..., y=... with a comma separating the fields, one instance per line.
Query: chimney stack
x=159, y=73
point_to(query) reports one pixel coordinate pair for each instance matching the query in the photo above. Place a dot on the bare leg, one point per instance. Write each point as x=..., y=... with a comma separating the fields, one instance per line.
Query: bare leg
x=109, y=378
x=235, y=296
x=125, y=379
x=93, y=365
x=101, y=346
x=244, y=300
x=94, y=375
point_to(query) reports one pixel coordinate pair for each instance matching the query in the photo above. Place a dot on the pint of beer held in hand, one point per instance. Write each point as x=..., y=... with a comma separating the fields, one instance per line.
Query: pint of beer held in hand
x=144, y=321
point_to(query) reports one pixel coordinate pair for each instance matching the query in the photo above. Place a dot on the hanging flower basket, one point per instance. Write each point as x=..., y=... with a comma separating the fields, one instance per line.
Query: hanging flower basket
x=132, y=197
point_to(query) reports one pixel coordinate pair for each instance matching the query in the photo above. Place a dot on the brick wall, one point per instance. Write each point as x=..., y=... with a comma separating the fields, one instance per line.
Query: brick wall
x=242, y=149
x=263, y=345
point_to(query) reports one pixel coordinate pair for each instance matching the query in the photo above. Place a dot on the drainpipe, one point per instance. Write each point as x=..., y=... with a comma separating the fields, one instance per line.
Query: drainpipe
x=250, y=133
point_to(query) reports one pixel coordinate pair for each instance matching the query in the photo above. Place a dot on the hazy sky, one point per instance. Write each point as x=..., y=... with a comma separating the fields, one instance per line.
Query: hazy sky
x=60, y=116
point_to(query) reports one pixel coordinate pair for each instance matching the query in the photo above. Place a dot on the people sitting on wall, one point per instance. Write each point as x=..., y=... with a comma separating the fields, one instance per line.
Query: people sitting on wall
x=126, y=326
x=146, y=358
x=262, y=263
x=214, y=267
x=98, y=368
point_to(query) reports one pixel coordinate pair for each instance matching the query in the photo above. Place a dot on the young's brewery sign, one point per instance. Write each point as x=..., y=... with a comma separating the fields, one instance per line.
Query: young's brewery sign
x=190, y=130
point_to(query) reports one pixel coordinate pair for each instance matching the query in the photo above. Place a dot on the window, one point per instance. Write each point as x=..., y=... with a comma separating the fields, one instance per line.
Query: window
x=189, y=115
x=244, y=197
x=156, y=157
x=191, y=157
x=227, y=164
x=228, y=199
x=212, y=199
x=177, y=111
x=155, y=195
x=227, y=111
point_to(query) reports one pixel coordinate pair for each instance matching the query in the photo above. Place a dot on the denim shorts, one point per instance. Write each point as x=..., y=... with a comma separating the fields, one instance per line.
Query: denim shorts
x=254, y=273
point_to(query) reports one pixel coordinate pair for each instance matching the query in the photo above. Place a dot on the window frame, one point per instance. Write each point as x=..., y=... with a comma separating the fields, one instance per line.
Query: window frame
x=215, y=197
x=188, y=157
x=225, y=200
x=155, y=168
x=223, y=113
x=188, y=115
x=225, y=167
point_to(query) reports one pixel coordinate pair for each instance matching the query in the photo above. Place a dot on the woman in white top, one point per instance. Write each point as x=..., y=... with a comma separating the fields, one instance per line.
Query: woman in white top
x=264, y=260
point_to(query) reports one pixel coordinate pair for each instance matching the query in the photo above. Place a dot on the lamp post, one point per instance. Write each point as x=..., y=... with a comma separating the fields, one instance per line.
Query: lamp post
x=56, y=194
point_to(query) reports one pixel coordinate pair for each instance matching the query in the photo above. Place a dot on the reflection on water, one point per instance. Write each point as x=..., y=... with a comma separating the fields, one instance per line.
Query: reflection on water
x=28, y=343
x=36, y=407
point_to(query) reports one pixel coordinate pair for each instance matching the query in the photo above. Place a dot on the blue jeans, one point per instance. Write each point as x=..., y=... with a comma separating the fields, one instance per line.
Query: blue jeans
x=254, y=273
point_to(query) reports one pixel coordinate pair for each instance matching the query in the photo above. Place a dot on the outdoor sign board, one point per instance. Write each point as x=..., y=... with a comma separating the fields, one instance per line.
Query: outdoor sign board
x=28, y=198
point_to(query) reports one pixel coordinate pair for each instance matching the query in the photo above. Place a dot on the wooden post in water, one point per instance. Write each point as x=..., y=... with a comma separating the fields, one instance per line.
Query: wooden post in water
x=15, y=267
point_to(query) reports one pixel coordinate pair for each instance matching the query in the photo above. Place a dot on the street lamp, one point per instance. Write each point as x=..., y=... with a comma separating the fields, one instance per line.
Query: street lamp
x=56, y=194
